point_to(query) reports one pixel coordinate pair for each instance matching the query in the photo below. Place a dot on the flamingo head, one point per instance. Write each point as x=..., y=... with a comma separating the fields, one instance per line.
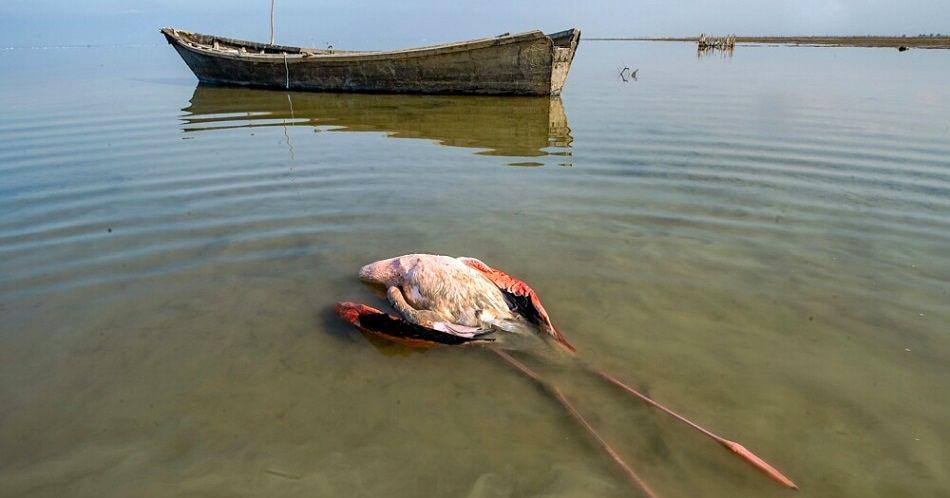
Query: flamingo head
x=386, y=272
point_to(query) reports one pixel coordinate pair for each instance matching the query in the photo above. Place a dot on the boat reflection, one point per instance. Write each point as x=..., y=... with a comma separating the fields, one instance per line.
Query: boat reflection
x=498, y=126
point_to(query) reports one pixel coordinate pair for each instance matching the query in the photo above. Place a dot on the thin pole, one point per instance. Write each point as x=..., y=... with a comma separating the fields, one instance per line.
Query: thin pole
x=579, y=418
x=272, y=8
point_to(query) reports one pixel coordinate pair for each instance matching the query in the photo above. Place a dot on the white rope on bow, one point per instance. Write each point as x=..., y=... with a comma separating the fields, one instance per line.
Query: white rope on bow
x=286, y=73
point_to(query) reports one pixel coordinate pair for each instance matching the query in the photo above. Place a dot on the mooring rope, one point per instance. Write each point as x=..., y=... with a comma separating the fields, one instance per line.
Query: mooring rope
x=290, y=146
x=286, y=73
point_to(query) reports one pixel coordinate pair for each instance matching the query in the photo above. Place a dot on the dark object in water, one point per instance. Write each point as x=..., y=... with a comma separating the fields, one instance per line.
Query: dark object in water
x=902, y=48
x=626, y=71
x=530, y=63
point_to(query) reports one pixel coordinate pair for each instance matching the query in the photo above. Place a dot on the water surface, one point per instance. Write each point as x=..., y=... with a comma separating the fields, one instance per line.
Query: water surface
x=759, y=241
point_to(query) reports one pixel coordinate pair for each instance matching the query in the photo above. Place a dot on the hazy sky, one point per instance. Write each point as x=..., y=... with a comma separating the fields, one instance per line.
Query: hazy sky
x=387, y=24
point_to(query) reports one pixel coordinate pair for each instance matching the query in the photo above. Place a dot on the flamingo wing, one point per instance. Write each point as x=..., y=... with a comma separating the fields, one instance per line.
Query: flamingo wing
x=373, y=321
x=429, y=319
x=522, y=299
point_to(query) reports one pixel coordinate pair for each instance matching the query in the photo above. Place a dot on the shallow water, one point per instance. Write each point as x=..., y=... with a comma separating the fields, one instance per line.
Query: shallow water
x=762, y=242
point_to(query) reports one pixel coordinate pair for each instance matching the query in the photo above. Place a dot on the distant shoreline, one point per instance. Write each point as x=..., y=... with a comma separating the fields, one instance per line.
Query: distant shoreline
x=819, y=41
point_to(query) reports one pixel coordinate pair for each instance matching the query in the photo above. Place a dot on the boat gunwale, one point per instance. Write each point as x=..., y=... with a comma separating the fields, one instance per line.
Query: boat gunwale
x=313, y=55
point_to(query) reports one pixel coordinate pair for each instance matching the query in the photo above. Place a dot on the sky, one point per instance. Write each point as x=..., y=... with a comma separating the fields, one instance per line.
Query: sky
x=391, y=24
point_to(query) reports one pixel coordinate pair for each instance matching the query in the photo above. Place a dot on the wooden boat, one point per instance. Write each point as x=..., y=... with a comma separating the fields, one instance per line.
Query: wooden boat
x=530, y=63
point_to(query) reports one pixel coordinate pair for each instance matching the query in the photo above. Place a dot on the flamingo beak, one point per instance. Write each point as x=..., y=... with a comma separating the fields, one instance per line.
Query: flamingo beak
x=351, y=312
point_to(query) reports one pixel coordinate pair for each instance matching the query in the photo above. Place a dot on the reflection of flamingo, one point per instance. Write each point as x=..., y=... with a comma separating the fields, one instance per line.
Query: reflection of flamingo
x=443, y=300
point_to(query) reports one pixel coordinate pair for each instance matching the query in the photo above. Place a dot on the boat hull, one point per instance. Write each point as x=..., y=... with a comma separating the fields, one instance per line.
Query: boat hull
x=526, y=64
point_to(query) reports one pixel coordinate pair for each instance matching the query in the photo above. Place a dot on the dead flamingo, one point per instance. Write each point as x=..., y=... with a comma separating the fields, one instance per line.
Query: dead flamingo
x=447, y=300
x=459, y=296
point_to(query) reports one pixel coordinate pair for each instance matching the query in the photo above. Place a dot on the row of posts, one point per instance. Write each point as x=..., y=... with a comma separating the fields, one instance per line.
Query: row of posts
x=722, y=42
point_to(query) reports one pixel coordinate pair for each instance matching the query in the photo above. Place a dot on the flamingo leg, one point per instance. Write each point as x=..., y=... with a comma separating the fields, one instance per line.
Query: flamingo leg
x=733, y=446
x=556, y=393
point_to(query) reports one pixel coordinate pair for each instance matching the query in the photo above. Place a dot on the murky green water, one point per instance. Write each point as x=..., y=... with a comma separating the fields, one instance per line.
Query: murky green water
x=762, y=242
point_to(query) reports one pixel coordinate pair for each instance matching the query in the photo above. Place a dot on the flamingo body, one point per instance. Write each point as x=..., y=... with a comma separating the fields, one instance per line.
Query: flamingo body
x=440, y=292
x=461, y=296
